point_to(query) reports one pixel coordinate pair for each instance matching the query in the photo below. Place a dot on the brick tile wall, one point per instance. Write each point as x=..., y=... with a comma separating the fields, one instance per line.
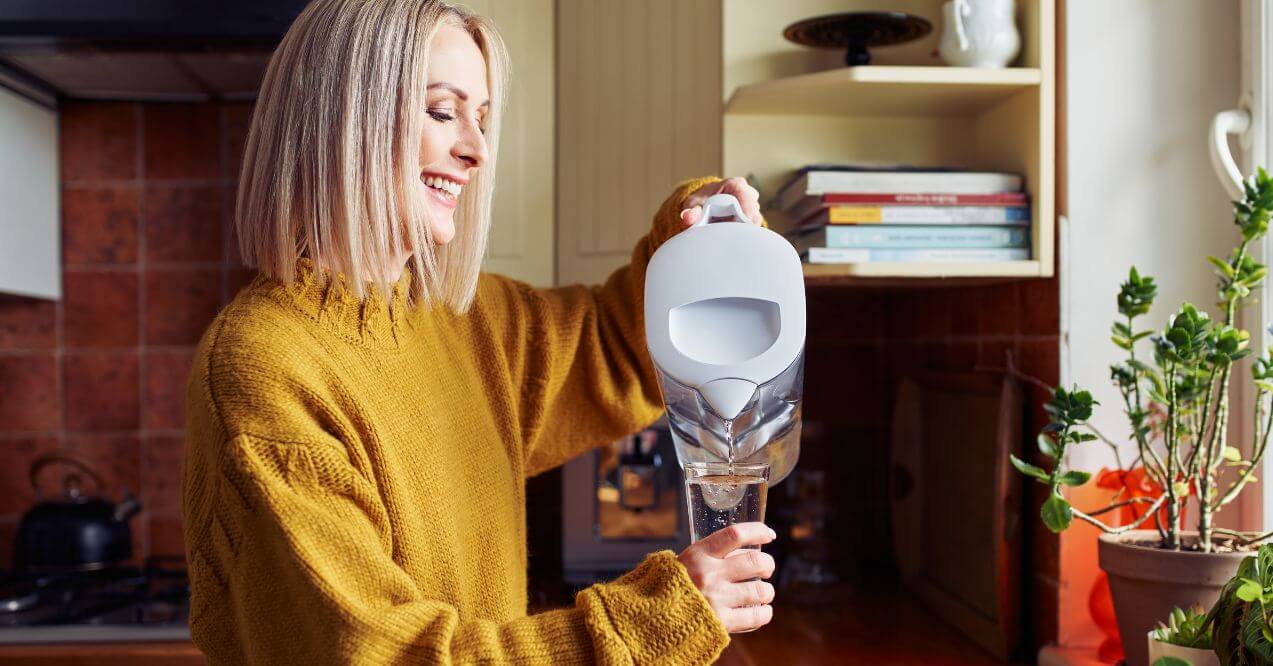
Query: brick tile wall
x=862, y=342
x=147, y=196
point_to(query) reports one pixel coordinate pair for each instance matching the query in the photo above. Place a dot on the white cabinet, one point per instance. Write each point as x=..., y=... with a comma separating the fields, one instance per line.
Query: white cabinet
x=29, y=220
x=638, y=110
x=521, y=241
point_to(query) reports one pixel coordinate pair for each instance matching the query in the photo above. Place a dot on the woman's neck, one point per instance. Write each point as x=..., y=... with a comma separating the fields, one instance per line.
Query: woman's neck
x=389, y=273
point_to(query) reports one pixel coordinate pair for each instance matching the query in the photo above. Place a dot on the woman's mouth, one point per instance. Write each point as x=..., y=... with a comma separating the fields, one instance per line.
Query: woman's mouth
x=443, y=190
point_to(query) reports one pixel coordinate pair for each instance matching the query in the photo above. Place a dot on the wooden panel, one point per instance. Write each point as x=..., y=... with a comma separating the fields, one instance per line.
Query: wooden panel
x=639, y=110
x=956, y=502
x=522, y=217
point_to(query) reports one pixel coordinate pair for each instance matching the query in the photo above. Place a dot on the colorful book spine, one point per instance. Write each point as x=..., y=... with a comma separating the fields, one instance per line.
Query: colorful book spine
x=898, y=237
x=923, y=215
x=815, y=204
x=829, y=255
x=813, y=182
x=926, y=199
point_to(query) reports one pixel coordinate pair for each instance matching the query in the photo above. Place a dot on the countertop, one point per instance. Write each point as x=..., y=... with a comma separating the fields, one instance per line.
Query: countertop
x=862, y=628
x=874, y=628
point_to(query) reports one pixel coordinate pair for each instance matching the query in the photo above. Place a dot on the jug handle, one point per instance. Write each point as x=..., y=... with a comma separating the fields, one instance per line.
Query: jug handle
x=721, y=205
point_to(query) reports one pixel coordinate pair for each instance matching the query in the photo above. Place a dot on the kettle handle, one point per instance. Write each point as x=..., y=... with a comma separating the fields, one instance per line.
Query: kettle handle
x=47, y=459
x=721, y=205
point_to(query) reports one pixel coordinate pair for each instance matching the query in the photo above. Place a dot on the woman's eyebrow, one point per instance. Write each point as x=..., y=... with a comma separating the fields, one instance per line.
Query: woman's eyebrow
x=464, y=97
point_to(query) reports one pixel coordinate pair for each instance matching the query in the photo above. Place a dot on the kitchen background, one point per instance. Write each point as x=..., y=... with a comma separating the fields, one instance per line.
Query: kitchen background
x=148, y=257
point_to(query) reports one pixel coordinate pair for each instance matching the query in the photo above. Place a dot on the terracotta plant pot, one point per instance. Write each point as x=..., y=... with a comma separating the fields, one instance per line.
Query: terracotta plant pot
x=1192, y=656
x=1148, y=582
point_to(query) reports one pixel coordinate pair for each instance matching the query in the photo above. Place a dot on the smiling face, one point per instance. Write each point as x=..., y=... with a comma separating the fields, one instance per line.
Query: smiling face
x=453, y=145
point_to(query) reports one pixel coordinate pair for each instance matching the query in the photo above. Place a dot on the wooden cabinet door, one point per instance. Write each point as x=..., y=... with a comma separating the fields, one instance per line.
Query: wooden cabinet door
x=521, y=242
x=638, y=110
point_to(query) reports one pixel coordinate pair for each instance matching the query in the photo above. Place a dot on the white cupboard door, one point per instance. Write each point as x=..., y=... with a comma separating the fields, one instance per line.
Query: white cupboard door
x=30, y=264
x=521, y=241
x=638, y=110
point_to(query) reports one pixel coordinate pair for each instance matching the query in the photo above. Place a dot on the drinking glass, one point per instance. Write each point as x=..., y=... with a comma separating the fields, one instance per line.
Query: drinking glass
x=720, y=494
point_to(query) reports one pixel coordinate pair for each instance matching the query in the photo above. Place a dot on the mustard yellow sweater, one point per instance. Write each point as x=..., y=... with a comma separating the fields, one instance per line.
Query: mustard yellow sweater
x=355, y=474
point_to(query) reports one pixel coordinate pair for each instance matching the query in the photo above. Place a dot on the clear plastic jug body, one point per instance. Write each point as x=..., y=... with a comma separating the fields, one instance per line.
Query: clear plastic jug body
x=766, y=430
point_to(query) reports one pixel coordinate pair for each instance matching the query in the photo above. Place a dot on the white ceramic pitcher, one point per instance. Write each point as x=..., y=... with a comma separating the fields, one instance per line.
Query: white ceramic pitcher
x=979, y=33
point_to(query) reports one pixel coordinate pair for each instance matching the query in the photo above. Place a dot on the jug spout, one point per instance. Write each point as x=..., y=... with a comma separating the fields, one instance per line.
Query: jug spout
x=728, y=396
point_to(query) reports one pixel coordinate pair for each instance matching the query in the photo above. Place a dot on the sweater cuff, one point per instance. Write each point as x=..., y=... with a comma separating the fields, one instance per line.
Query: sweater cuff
x=652, y=614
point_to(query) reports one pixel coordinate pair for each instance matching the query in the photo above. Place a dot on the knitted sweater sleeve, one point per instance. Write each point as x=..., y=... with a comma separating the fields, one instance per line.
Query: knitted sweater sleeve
x=303, y=546
x=579, y=353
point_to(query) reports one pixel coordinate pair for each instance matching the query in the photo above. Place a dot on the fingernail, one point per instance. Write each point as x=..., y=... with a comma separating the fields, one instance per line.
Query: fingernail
x=772, y=534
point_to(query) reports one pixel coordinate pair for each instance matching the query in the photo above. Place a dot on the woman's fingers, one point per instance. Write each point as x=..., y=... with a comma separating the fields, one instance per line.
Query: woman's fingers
x=748, y=564
x=690, y=216
x=747, y=618
x=725, y=541
x=750, y=593
x=748, y=199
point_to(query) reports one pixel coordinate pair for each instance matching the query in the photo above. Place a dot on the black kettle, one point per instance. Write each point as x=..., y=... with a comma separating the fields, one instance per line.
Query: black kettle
x=77, y=531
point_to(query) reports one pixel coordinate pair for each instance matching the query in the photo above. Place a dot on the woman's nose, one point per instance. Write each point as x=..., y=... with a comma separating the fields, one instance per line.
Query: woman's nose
x=471, y=148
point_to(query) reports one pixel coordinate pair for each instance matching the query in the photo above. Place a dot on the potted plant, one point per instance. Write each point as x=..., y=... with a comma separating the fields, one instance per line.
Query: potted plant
x=1178, y=409
x=1185, y=639
x=1241, y=622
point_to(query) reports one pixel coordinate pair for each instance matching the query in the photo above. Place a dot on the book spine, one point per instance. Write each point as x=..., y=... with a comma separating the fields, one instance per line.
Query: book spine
x=879, y=182
x=927, y=214
x=926, y=237
x=830, y=255
x=926, y=199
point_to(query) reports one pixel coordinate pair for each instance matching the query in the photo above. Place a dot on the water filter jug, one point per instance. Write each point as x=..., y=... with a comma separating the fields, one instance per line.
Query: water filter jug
x=725, y=326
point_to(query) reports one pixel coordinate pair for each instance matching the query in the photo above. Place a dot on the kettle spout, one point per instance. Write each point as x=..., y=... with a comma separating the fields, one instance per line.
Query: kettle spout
x=127, y=508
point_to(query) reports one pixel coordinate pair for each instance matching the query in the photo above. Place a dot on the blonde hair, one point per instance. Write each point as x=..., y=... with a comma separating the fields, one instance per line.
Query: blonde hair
x=329, y=170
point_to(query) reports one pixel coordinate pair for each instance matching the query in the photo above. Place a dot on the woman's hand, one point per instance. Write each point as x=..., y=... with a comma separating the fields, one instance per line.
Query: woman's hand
x=728, y=576
x=747, y=197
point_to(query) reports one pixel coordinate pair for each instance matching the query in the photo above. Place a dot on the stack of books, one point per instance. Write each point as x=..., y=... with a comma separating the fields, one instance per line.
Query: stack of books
x=851, y=214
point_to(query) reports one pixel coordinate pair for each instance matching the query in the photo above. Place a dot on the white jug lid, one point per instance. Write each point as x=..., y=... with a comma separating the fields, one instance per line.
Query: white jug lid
x=724, y=301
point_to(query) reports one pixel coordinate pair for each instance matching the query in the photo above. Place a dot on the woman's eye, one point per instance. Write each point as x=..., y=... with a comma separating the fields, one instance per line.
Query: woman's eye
x=441, y=116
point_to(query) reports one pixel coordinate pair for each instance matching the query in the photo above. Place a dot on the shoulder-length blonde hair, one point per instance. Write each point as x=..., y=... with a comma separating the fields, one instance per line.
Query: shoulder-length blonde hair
x=330, y=172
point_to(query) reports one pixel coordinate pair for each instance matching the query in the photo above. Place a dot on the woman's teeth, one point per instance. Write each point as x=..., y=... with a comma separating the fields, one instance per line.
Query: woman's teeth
x=450, y=187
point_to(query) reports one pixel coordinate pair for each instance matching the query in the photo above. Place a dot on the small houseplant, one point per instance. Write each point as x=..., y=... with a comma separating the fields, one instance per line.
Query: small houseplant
x=1178, y=407
x=1185, y=638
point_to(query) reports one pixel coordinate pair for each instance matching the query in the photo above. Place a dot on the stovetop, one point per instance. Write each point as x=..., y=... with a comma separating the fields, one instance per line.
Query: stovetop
x=113, y=604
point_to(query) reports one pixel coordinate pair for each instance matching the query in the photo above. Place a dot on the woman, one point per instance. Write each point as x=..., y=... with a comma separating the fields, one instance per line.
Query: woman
x=363, y=416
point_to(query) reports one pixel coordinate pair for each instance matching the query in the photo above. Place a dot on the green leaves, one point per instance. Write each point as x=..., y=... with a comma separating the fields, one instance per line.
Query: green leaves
x=1056, y=513
x=1047, y=445
x=1249, y=590
x=1251, y=214
x=1073, y=478
x=1070, y=407
x=1242, y=274
x=1184, y=339
x=1227, y=344
x=1136, y=295
x=1186, y=628
x=1028, y=469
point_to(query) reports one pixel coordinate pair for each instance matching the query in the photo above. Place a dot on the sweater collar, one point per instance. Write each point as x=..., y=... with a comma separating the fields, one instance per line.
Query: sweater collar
x=328, y=298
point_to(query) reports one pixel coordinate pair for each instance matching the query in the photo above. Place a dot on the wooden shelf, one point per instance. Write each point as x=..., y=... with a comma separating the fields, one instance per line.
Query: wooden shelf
x=884, y=90
x=965, y=272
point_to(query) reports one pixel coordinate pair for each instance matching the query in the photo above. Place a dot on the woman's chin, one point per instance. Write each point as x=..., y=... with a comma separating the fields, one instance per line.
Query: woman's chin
x=443, y=232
